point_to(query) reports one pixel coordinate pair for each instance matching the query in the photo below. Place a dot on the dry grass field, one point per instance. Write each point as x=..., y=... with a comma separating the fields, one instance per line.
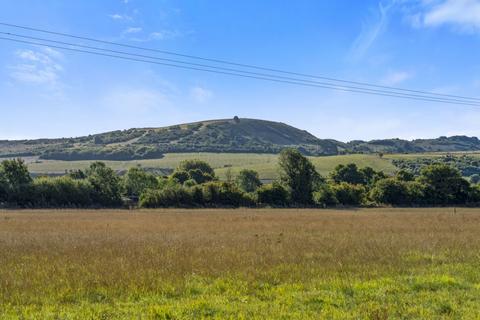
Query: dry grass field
x=240, y=264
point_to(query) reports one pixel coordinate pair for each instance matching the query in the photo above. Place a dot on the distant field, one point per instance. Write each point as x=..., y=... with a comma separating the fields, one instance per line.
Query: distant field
x=265, y=164
x=240, y=264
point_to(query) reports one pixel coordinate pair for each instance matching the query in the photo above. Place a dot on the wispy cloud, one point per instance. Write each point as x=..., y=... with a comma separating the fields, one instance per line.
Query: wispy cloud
x=120, y=17
x=396, y=77
x=133, y=30
x=462, y=14
x=371, y=30
x=200, y=94
x=40, y=67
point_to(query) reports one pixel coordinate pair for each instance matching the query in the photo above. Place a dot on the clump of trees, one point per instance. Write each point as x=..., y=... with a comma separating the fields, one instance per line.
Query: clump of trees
x=194, y=184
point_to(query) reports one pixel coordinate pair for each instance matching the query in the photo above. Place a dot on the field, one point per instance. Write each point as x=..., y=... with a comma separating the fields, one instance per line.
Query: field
x=265, y=164
x=240, y=264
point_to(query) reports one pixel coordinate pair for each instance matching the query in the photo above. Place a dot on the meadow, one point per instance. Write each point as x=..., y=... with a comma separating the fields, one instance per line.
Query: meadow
x=240, y=264
x=265, y=164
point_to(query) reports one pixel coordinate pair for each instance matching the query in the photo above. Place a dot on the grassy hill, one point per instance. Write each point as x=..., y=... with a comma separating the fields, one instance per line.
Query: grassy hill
x=228, y=135
x=217, y=136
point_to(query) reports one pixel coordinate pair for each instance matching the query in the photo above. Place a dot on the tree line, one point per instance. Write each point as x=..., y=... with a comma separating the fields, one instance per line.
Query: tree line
x=194, y=184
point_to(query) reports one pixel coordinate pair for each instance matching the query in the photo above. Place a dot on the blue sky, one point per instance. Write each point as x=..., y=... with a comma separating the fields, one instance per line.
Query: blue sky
x=430, y=45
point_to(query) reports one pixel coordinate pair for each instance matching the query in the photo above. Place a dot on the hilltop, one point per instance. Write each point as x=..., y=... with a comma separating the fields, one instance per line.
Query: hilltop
x=222, y=136
x=225, y=135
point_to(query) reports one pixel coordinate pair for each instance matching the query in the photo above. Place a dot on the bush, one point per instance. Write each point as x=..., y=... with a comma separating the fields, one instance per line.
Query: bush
x=169, y=196
x=61, y=192
x=136, y=181
x=391, y=191
x=224, y=194
x=349, y=194
x=325, y=196
x=180, y=176
x=272, y=194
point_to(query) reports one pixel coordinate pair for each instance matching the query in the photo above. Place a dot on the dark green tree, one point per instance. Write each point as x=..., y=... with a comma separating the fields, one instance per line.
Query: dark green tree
x=298, y=174
x=248, y=180
x=105, y=184
x=391, y=191
x=137, y=181
x=444, y=185
x=273, y=194
x=15, y=181
x=349, y=173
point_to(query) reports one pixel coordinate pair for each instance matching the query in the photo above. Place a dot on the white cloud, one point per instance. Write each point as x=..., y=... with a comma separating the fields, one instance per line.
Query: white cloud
x=371, y=30
x=117, y=16
x=164, y=34
x=40, y=67
x=462, y=14
x=397, y=77
x=200, y=94
x=133, y=30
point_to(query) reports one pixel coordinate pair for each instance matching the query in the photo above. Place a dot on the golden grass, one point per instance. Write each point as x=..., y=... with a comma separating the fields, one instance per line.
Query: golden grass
x=72, y=262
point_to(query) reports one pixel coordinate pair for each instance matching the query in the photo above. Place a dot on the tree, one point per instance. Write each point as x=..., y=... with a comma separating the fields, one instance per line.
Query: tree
x=404, y=175
x=390, y=191
x=137, y=181
x=444, y=185
x=15, y=181
x=248, y=180
x=348, y=173
x=299, y=175
x=272, y=194
x=349, y=194
x=180, y=176
x=198, y=170
x=325, y=196
x=105, y=184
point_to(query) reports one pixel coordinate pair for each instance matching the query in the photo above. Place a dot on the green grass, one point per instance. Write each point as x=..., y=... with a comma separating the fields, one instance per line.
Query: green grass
x=240, y=264
x=265, y=164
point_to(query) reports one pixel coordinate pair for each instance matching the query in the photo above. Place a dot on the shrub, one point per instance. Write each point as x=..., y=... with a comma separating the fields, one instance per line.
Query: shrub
x=325, y=196
x=136, y=181
x=349, y=194
x=180, y=176
x=169, y=196
x=61, y=192
x=391, y=191
x=224, y=194
x=272, y=194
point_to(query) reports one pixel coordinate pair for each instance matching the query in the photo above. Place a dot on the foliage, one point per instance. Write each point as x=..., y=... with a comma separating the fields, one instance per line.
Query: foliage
x=444, y=185
x=224, y=194
x=349, y=194
x=391, y=191
x=105, y=184
x=248, y=180
x=299, y=175
x=197, y=170
x=325, y=196
x=273, y=194
x=169, y=196
x=62, y=192
x=137, y=181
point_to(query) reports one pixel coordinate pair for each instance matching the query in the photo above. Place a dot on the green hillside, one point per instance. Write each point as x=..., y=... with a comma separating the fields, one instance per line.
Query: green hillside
x=217, y=136
x=228, y=135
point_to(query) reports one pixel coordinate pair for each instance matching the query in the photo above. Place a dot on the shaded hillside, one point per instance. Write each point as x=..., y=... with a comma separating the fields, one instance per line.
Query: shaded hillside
x=229, y=135
x=442, y=144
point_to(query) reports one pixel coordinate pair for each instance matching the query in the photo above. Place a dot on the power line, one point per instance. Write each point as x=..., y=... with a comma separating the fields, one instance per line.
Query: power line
x=236, y=70
x=236, y=74
x=240, y=64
